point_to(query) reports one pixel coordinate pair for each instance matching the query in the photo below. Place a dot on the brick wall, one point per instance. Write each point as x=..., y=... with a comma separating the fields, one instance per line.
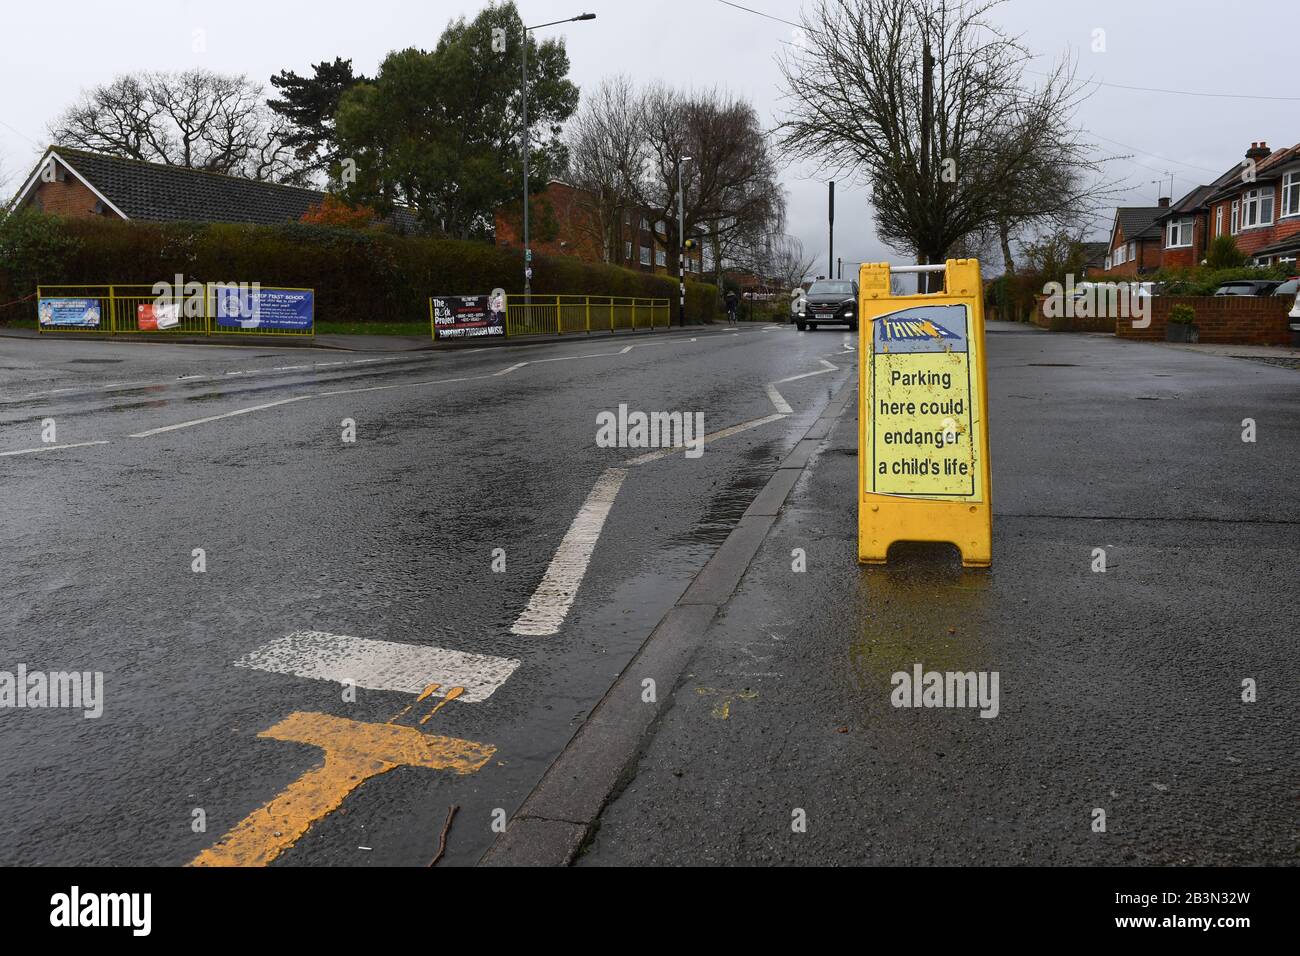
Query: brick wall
x=1222, y=320
x=67, y=198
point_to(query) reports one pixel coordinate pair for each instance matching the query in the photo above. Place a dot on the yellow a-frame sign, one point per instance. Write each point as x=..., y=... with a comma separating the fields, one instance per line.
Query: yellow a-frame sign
x=923, y=438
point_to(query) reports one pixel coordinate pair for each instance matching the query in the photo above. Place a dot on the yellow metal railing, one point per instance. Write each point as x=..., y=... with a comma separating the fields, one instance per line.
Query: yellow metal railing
x=128, y=309
x=567, y=314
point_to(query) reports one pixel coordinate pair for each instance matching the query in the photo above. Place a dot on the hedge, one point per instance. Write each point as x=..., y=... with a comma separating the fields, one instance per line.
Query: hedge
x=359, y=276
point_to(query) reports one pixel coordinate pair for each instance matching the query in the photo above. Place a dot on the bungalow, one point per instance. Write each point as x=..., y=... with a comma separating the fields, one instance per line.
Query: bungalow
x=86, y=185
x=1135, y=239
x=1261, y=210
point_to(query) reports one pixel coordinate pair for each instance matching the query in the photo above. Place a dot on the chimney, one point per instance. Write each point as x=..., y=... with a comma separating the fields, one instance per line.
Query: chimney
x=1164, y=202
x=1258, y=151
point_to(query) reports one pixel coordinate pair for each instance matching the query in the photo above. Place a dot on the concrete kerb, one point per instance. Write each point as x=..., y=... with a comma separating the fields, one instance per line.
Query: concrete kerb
x=560, y=815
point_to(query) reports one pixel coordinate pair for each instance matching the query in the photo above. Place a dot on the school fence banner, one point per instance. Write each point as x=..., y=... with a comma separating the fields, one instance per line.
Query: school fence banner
x=465, y=316
x=74, y=312
x=259, y=309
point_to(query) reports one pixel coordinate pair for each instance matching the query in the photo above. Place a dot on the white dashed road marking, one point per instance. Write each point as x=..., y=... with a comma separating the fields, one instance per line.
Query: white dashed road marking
x=214, y=418
x=33, y=451
x=724, y=433
x=550, y=603
x=382, y=665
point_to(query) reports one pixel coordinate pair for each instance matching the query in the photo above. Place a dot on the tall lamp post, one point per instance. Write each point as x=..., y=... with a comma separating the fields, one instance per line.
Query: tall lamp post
x=681, y=244
x=524, y=139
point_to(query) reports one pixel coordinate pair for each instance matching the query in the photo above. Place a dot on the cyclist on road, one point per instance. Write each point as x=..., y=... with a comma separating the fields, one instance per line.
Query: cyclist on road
x=731, y=300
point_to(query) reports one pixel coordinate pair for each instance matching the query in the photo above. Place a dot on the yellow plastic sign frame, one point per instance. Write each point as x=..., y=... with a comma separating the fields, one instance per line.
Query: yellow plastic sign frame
x=923, y=441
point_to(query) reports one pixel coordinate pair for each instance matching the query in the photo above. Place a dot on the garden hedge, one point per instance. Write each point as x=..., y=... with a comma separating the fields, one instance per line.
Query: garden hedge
x=358, y=275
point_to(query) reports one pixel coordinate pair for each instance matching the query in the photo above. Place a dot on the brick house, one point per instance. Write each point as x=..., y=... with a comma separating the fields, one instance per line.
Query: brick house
x=1135, y=240
x=84, y=185
x=564, y=221
x=1263, y=213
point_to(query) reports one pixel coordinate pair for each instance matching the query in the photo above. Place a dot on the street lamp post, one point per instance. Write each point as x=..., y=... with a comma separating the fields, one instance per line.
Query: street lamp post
x=681, y=244
x=524, y=140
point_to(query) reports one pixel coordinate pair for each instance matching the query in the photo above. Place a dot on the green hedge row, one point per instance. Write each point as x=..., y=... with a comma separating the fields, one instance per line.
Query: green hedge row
x=359, y=276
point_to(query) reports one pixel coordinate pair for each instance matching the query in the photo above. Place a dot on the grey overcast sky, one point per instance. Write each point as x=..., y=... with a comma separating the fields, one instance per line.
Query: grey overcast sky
x=1248, y=50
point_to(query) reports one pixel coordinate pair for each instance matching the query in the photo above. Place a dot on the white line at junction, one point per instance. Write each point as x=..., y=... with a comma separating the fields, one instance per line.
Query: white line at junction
x=382, y=665
x=778, y=401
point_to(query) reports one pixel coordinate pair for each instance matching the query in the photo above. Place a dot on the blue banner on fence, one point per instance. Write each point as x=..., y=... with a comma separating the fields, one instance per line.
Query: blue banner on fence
x=251, y=307
x=83, y=313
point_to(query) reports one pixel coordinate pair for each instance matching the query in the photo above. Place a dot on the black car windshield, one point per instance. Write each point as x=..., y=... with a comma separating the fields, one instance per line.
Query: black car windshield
x=831, y=288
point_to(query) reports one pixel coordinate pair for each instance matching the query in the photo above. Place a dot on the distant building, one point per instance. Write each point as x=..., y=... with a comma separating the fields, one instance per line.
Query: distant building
x=636, y=241
x=85, y=185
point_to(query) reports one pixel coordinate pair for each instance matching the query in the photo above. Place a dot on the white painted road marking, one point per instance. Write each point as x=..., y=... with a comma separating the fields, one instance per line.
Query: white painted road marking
x=381, y=665
x=820, y=371
x=507, y=371
x=778, y=400
x=724, y=433
x=214, y=418
x=550, y=603
x=33, y=451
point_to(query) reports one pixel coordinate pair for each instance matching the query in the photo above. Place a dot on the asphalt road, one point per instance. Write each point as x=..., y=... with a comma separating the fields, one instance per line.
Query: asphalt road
x=1120, y=691
x=163, y=449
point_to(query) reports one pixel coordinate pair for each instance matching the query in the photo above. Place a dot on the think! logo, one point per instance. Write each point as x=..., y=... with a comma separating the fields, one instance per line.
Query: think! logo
x=893, y=330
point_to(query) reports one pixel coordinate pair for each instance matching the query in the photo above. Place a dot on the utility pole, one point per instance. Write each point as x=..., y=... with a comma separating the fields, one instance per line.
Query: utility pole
x=927, y=119
x=524, y=140
x=831, y=265
x=681, y=244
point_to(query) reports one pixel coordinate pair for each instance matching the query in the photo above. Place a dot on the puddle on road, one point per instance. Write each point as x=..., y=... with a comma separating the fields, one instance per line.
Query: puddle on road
x=921, y=608
x=727, y=504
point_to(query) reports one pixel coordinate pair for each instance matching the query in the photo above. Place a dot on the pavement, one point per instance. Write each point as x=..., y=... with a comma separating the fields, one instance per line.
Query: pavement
x=1120, y=690
x=393, y=641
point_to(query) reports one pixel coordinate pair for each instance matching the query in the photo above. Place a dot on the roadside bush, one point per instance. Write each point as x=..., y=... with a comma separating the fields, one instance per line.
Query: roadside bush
x=1224, y=254
x=359, y=275
x=34, y=250
x=1182, y=314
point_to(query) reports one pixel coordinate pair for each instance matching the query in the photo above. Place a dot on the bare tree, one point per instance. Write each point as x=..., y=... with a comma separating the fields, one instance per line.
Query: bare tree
x=928, y=103
x=730, y=189
x=196, y=119
x=606, y=157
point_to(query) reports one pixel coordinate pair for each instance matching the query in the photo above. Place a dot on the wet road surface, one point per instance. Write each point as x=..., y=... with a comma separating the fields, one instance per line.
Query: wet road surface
x=351, y=552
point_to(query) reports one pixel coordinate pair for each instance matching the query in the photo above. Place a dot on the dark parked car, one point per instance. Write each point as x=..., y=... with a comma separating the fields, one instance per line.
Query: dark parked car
x=1248, y=287
x=829, y=302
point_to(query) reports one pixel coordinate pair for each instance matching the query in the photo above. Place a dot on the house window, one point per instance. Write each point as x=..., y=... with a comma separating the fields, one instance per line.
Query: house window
x=1218, y=220
x=1180, y=234
x=1291, y=194
x=659, y=258
x=1236, y=216
x=1287, y=263
x=627, y=251
x=645, y=224
x=1109, y=263
x=1121, y=255
x=645, y=255
x=1132, y=251
x=1257, y=208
